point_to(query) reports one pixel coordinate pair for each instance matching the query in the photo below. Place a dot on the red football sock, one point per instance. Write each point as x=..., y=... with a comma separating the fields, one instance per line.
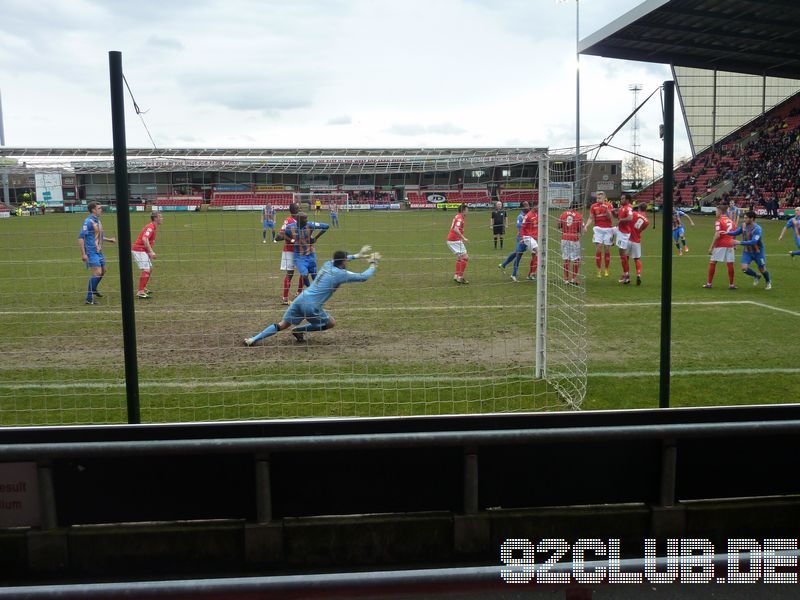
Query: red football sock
x=300, y=284
x=143, y=279
x=463, y=266
x=598, y=258
x=730, y=272
x=608, y=259
x=566, y=270
x=638, y=263
x=711, y=268
x=287, y=283
x=534, y=265
x=626, y=265
x=575, y=268
x=458, y=267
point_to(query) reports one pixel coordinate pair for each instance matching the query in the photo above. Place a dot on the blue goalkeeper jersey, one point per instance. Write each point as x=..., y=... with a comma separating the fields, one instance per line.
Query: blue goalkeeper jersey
x=752, y=240
x=790, y=224
x=327, y=281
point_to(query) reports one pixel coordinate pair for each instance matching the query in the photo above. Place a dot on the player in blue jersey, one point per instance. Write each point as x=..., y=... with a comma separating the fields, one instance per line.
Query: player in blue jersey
x=308, y=306
x=90, y=241
x=678, y=233
x=752, y=244
x=334, y=214
x=516, y=255
x=301, y=234
x=733, y=212
x=793, y=224
x=268, y=221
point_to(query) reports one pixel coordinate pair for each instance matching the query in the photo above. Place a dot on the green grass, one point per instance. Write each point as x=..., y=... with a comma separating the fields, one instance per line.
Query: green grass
x=407, y=342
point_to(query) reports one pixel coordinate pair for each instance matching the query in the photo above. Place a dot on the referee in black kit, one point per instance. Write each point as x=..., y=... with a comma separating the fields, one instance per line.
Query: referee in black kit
x=499, y=223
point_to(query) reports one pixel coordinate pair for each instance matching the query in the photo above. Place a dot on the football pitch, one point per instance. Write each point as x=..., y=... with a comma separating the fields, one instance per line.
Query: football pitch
x=409, y=341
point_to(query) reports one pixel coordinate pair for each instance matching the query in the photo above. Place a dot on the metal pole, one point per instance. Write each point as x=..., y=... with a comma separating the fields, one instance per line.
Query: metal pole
x=578, y=198
x=541, y=277
x=6, y=197
x=666, y=246
x=124, y=235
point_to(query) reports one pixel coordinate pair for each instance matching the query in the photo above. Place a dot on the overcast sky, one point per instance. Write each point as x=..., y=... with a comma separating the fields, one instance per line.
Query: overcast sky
x=320, y=73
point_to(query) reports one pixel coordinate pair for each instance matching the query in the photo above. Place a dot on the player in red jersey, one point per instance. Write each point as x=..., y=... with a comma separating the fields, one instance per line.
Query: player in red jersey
x=624, y=224
x=455, y=241
x=721, y=249
x=639, y=223
x=600, y=214
x=528, y=232
x=570, y=223
x=143, y=254
x=287, y=254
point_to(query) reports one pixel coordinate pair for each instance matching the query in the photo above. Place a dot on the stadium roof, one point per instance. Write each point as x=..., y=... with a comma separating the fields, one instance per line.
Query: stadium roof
x=759, y=37
x=276, y=160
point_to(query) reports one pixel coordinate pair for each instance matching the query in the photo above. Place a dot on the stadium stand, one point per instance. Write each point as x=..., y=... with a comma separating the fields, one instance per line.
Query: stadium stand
x=531, y=196
x=469, y=196
x=250, y=198
x=178, y=201
x=760, y=164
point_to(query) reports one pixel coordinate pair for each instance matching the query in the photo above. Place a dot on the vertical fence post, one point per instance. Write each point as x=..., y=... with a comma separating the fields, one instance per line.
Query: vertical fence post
x=124, y=235
x=666, y=245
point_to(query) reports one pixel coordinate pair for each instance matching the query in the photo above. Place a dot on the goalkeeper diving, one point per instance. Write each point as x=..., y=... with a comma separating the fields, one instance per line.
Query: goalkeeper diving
x=308, y=306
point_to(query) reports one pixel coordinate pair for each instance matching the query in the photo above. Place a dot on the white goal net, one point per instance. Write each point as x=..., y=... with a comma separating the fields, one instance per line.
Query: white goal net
x=412, y=340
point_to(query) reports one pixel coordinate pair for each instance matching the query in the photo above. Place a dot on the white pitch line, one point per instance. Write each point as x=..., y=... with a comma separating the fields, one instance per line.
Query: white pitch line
x=695, y=373
x=367, y=379
x=246, y=383
x=448, y=307
x=783, y=310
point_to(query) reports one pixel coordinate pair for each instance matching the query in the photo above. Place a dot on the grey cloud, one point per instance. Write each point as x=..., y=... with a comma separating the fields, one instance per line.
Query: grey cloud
x=245, y=94
x=417, y=129
x=341, y=120
x=164, y=42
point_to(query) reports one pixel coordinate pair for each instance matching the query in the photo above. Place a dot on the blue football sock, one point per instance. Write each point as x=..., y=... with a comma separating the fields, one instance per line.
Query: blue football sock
x=767, y=277
x=508, y=260
x=271, y=330
x=752, y=273
x=795, y=252
x=310, y=327
x=683, y=241
x=516, y=264
x=94, y=281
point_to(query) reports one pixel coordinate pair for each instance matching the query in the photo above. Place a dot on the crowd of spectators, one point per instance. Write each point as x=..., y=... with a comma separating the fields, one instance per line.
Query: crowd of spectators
x=761, y=163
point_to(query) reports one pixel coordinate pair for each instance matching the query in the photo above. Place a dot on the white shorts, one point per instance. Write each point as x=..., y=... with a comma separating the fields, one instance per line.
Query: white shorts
x=142, y=260
x=570, y=249
x=635, y=250
x=603, y=235
x=530, y=243
x=457, y=247
x=623, y=240
x=287, y=261
x=722, y=255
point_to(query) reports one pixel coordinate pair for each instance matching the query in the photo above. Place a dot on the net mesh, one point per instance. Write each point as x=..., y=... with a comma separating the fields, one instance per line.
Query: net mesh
x=409, y=341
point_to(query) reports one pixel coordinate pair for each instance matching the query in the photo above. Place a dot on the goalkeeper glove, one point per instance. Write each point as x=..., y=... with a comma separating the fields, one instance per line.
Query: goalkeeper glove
x=374, y=258
x=364, y=251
